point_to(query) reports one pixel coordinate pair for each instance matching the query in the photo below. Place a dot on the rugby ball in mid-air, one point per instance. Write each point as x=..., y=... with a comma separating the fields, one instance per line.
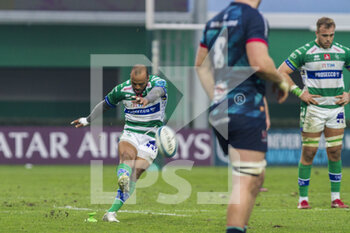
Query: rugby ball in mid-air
x=166, y=141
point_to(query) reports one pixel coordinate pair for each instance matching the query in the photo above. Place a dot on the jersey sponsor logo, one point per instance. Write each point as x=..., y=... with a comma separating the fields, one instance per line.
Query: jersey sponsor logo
x=326, y=74
x=327, y=56
x=218, y=24
x=135, y=105
x=335, y=177
x=340, y=117
x=303, y=182
x=160, y=83
x=317, y=58
x=152, y=145
x=143, y=111
x=328, y=65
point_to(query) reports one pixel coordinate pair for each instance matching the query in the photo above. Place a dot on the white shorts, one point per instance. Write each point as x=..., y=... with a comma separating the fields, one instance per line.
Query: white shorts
x=145, y=145
x=313, y=119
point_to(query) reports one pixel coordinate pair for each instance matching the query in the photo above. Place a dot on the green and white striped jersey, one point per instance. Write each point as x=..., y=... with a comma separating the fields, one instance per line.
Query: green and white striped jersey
x=140, y=119
x=321, y=70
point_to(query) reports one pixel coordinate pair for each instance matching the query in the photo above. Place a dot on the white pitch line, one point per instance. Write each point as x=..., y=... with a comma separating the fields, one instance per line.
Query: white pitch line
x=150, y=212
x=71, y=208
x=197, y=211
x=123, y=211
x=294, y=209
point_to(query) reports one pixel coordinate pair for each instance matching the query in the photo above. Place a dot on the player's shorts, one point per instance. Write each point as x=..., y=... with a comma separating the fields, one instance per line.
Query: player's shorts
x=244, y=133
x=145, y=145
x=313, y=119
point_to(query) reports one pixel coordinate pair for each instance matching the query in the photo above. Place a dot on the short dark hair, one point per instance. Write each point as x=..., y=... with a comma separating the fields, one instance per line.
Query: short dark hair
x=139, y=69
x=327, y=22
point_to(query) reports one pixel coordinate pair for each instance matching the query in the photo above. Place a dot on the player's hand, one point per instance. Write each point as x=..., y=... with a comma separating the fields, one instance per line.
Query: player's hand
x=268, y=123
x=343, y=99
x=80, y=122
x=282, y=92
x=308, y=98
x=140, y=100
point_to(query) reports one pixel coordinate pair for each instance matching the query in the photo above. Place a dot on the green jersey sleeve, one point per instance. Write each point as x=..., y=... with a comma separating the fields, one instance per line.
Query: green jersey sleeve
x=296, y=59
x=114, y=96
x=159, y=82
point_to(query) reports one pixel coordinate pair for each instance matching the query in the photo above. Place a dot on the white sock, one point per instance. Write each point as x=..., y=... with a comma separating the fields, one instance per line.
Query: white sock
x=303, y=199
x=335, y=195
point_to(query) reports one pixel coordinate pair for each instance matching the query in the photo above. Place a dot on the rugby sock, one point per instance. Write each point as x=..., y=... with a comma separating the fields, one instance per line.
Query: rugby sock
x=304, y=179
x=303, y=199
x=123, y=168
x=118, y=203
x=122, y=197
x=232, y=229
x=334, y=171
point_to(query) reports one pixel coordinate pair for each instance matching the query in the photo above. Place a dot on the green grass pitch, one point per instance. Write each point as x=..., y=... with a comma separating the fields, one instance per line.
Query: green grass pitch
x=57, y=199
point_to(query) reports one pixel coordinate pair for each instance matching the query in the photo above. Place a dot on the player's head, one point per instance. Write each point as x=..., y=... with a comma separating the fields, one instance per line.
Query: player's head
x=325, y=32
x=139, y=78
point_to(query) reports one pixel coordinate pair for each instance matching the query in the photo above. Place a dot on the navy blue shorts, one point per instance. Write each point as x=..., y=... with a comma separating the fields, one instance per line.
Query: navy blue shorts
x=244, y=133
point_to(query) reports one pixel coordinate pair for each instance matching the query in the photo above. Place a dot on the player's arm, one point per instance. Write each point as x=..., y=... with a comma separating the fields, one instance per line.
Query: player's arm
x=344, y=99
x=152, y=96
x=259, y=58
x=110, y=101
x=204, y=71
x=304, y=95
x=96, y=112
x=267, y=114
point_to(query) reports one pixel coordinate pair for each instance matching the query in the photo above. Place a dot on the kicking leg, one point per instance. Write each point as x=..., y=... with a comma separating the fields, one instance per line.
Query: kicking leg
x=127, y=154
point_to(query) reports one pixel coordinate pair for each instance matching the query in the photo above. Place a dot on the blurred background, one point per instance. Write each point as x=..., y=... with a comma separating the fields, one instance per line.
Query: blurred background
x=45, y=49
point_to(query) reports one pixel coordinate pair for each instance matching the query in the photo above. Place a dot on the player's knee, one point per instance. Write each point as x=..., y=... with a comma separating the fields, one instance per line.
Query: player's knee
x=309, y=154
x=334, y=153
x=139, y=173
x=249, y=168
x=334, y=145
x=126, y=155
x=258, y=184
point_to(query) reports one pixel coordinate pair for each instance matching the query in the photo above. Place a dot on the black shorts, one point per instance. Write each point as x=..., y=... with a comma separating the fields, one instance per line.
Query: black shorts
x=242, y=135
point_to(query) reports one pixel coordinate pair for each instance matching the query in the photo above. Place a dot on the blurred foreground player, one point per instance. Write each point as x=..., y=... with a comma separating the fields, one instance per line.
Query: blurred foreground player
x=247, y=45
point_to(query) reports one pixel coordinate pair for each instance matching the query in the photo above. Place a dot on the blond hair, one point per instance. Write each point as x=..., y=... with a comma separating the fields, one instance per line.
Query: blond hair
x=327, y=22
